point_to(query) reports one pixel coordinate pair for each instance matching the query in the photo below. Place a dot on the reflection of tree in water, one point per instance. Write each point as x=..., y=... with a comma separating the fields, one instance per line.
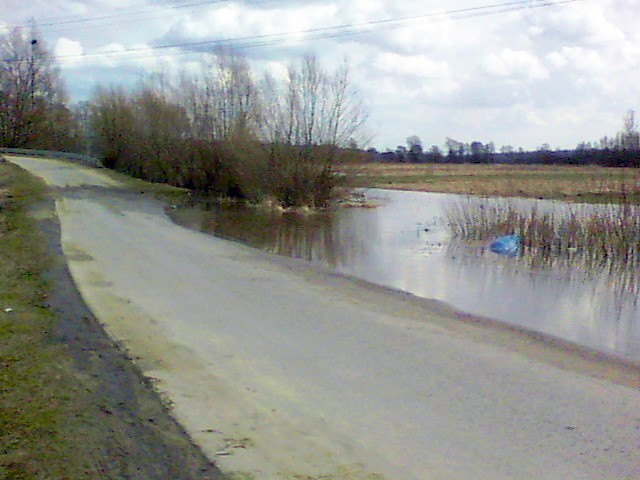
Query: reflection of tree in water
x=319, y=237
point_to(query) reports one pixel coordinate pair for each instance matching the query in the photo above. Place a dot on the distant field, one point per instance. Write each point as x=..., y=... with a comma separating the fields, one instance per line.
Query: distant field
x=572, y=183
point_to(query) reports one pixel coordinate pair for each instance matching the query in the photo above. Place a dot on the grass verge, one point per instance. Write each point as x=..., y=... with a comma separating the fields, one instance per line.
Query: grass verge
x=36, y=397
x=72, y=403
x=164, y=191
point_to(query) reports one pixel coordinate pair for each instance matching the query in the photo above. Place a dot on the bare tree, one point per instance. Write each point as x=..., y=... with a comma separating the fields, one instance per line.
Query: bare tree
x=220, y=131
x=630, y=137
x=160, y=126
x=113, y=127
x=313, y=118
x=222, y=99
x=454, y=147
x=347, y=114
x=313, y=106
x=414, y=143
x=32, y=98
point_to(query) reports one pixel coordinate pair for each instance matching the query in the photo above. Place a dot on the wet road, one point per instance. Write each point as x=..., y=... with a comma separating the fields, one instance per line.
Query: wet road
x=278, y=369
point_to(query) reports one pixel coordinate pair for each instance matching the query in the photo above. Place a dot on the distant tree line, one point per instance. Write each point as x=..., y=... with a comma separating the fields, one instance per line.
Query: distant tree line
x=621, y=150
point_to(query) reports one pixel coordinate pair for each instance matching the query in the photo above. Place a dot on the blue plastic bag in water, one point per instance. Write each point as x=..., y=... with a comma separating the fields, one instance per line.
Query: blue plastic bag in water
x=508, y=245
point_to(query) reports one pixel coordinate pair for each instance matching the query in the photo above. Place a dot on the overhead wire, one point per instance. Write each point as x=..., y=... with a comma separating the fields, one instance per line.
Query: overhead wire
x=68, y=19
x=73, y=20
x=319, y=33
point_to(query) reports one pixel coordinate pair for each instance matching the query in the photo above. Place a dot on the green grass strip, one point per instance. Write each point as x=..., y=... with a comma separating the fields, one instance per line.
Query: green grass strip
x=36, y=387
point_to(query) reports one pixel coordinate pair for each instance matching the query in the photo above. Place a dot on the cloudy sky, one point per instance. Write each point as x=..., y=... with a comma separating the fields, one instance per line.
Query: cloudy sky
x=519, y=73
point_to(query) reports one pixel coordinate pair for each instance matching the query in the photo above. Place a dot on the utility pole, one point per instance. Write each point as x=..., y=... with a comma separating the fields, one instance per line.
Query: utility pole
x=32, y=88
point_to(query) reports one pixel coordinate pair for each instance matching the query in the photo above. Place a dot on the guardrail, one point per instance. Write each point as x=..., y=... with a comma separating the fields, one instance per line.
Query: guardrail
x=71, y=157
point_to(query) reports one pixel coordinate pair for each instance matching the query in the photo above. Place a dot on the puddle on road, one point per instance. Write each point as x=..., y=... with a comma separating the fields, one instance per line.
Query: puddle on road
x=404, y=244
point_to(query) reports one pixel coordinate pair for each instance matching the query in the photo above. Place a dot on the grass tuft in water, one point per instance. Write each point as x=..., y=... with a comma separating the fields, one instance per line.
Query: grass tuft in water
x=598, y=235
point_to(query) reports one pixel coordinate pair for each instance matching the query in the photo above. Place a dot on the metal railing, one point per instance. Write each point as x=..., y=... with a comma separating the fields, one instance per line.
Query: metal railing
x=71, y=157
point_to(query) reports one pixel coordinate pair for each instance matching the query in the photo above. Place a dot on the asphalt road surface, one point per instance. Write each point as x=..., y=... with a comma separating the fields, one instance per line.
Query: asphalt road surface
x=279, y=370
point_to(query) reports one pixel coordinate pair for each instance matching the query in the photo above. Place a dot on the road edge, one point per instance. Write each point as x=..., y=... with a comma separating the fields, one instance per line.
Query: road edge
x=136, y=435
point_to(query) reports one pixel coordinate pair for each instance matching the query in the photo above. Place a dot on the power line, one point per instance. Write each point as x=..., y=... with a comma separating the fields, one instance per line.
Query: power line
x=158, y=16
x=370, y=24
x=71, y=19
x=137, y=11
x=319, y=33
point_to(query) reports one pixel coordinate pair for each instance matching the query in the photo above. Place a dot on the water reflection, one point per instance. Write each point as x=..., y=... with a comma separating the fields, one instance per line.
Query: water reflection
x=404, y=244
x=574, y=267
x=572, y=297
x=323, y=237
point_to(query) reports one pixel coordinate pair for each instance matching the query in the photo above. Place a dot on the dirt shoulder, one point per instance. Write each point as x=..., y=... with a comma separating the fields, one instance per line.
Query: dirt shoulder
x=105, y=419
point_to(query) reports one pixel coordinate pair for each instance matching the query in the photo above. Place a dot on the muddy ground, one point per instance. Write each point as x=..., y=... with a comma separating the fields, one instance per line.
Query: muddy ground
x=135, y=436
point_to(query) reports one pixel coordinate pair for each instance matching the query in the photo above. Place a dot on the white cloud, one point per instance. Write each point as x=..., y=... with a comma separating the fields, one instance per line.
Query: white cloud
x=110, y=48
x=557, y=74
x=515, y=63
x=76, y=8
x=236, y=21
x=411, y=65
x=578, y=58
x=535, y=31
x=361, y=11
x=589, y=25
x=70, y=49
x=557, y=60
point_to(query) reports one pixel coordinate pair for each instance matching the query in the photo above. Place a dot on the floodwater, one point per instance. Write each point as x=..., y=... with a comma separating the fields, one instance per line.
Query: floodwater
x=403, y=243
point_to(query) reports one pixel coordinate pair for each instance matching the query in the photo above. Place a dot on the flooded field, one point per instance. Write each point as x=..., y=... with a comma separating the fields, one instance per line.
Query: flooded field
x=404, y=244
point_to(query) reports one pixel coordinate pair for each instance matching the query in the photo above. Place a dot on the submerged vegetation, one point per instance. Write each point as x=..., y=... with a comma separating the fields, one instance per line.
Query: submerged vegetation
x=605, y=232
x=593, y=238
